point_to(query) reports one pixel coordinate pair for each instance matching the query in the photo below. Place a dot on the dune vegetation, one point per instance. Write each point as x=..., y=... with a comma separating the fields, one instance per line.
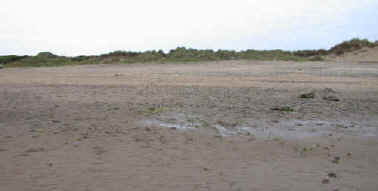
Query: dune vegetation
x=183, y=54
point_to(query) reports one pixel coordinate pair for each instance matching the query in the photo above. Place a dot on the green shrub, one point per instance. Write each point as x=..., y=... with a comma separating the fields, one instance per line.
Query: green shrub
x=46, y=55
x=310, y=53
x=10, y=58
x=80, y=58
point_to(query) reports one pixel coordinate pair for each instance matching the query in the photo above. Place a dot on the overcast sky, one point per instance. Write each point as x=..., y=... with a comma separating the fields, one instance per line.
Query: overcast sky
x=75, y=27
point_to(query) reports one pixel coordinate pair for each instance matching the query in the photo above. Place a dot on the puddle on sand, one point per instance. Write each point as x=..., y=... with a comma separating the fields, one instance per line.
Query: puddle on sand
x=285, y=129
x=179, y=121
x=298, y=129
x=266, y=133
x=226, y=132
x=274, y=132
x=180, y=126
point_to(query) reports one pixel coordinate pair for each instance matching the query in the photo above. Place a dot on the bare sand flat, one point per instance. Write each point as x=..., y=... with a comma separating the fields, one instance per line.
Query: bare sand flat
x=230, y=125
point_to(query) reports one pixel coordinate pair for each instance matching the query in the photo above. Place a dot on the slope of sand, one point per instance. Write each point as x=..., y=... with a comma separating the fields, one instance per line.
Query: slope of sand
x=195, y=126
x=364, y=55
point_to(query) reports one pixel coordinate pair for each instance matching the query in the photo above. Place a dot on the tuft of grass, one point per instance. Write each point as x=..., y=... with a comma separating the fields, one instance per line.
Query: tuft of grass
x=155, y=110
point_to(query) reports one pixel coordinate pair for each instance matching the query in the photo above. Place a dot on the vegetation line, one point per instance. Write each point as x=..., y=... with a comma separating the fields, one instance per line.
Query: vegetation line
x=182, y=54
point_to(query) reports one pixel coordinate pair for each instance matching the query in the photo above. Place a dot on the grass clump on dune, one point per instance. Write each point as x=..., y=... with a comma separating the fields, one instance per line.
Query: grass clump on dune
x=352, y=45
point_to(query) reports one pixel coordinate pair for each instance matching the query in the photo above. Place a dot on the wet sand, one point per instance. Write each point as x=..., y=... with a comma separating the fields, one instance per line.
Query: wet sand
x=230, y=125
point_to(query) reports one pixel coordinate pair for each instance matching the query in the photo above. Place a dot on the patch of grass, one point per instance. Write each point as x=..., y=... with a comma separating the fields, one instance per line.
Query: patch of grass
x=283, y=109
x=154, y=110
x=277, y=139
x=341, y=126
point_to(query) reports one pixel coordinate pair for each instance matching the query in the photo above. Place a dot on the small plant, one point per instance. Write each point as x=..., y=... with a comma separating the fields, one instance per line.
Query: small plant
x=331, y=98
x=204, y=123
x=308, y=149
x=332, y=175
x=336, y=160
x=310, y=95
x=325, y=181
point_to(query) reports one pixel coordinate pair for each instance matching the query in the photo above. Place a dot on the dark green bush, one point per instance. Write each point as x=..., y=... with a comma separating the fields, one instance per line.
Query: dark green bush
x=10, y=58
x=80, y=58
x=46, y=55
x=310, y=53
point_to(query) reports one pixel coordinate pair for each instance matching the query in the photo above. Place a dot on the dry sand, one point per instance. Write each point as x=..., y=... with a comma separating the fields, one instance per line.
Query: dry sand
x=195, y=126
x=364, y=55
